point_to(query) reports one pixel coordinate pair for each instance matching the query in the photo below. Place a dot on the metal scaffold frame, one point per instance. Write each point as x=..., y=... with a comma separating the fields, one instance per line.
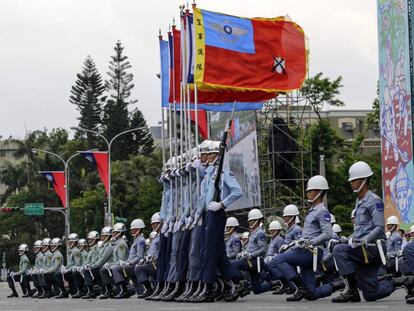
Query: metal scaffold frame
x=277, y=192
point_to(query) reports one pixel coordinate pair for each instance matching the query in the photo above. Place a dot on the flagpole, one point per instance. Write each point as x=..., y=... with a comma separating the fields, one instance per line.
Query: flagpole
x=162, y=114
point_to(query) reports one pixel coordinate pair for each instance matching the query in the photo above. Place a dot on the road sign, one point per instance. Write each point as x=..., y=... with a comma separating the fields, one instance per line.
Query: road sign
x=34, y=209
x=121, y=219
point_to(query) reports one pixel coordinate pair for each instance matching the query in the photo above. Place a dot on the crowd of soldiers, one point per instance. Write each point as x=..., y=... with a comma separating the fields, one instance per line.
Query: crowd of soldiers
x=195, y=253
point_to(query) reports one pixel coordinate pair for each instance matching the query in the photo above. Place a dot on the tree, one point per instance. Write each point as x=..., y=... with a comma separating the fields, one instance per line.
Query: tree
x=143, y=142
x=116, y=115
x=320, y=91
x=86, y=94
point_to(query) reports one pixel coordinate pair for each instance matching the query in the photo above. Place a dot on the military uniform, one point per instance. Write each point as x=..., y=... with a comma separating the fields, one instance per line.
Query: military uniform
x=393, y=244
x=49, y=273
x=17, y=276
x=317, y=231
x=369, y=226
x=34, y=273
x=233, y=246
x=147, y=269
x=74, y=261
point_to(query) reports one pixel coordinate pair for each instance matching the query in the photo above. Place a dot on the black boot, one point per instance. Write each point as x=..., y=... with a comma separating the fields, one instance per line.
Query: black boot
x=45, y=293
x=177, y=291
x=123, y=293
x=221, y=292
x=206, y=295
x=147, y=291
x=337, y=285
x=63, y=294
x=302, y=291
x=78, y=294
x=187, y=289
x=90, y=293
x=351, y=293
x=282, y=289
x=168, y=287
x=108, y=292
x=195, y=293
x=406, y=282
x=158, y=289
x=13, y=294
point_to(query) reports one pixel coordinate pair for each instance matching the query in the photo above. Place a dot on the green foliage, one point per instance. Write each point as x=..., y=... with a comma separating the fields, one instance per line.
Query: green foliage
x=142, y=142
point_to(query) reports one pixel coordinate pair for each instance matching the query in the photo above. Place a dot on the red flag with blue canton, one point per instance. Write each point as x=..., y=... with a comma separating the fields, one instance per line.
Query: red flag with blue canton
x=101, y=161
x=240, y=54
x=57, y=179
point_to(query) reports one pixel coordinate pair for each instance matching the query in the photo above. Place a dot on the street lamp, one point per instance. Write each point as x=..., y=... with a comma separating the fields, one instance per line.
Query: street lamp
x=109, y=144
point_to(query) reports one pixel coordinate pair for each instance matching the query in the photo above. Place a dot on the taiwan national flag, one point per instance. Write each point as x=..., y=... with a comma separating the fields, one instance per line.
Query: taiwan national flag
x=247, y=54
x=101, y=161
x=57, y=179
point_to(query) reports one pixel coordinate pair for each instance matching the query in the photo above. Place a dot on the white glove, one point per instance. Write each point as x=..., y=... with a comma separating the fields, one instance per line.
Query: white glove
x=12, y=274
x=187, y=167
x=214, y=206
x=268, y=259
x=176, y=226
x=351, y=242
x=107, y=265
x=283, y=248
x=34, y=271
x=196, y=163
x=41, y=270
x=239, y=255
x=164, y=227
x=141, y=261
x=87, y=266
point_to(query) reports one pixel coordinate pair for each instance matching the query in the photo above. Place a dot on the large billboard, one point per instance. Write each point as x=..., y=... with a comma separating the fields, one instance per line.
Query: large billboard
x=395, y=101
x=241, y=157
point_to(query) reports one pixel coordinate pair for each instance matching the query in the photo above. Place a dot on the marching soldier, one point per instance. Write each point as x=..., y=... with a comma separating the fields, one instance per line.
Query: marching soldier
x=125, y=269
x=18, y=275
x=215, y=249
x=233, y=244
x=394, y=243
x=37, y=246
x=361, y=258
x=66, y=273
x=90, y=276
x=49, y=273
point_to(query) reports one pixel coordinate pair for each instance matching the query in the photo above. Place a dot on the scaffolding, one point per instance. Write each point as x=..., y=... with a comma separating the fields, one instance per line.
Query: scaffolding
x=284, y=171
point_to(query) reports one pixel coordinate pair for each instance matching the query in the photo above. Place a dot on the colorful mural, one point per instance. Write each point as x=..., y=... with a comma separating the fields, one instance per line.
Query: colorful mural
x=395, y=99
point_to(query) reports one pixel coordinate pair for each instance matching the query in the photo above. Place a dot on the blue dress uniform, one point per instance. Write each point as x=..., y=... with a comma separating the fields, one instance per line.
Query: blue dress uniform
x=317, y=230
x=293, y=233
x=149, y=268
x=233, y=246
x=215, y=257
x=256, y=247
x=274, y=246
x=198, y=232
x=126, y=270
x=406, y=262
x=164, y=217
x=369, y=226
x=393, y=244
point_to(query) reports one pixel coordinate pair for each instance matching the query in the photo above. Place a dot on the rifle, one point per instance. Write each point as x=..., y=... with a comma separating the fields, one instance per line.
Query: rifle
x=217, y=181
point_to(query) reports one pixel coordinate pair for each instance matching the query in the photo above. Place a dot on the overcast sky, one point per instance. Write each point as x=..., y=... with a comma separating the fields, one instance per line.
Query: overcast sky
x=44, y=43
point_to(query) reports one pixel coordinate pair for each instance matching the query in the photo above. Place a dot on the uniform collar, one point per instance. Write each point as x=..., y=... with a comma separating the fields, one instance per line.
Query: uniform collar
x=366, y=196
x=316, y=207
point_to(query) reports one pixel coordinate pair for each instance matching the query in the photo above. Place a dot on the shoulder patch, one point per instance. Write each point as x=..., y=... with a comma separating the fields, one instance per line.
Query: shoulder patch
x=380, y=206
x=262, y=237
x=299, y=234
x=142, y=244
x=231, y=174
x=236, y=242
x=327, y=216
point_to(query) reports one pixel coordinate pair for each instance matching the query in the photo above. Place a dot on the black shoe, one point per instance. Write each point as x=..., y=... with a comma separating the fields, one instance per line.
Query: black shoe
x=301, y=293
x=78, y=295
x=89, y=295
x=192, y=295
x=406, y=282
x=169, y=295
x=281, y=290
x=351, y=295
x=188, y=287
x=106, y=295
x=122, y=295
x=63, y=294
x=27, y=293
x=234, y=292
x=410, y=300
x=146, y=293
x=205, y=296
x=12, y=295
x=338, y=285
x=168, y=288
x=158, y=290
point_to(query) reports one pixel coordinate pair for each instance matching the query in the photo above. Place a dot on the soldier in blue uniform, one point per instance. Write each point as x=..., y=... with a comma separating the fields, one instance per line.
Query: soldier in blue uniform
x=147, y=267
x=215, y=257
x=126, y=268
x=233, y=243
x=361, y=258
x=277, y=241
x=316, y=232
x=394, y=243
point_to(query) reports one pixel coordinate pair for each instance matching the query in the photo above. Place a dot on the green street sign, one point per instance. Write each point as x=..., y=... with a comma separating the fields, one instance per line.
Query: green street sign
x=121, y=219
x=34, y=209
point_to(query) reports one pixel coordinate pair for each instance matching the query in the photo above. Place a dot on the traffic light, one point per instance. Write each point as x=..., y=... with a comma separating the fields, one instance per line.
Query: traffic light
x=9, y=209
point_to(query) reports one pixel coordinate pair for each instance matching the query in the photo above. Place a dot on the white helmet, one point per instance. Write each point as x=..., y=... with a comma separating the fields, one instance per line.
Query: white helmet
x=100, y=244
x=359, y=170
x=204, y=146
x=317, y=182
x=275, y=225
x=56, y=242
x=106, y=231
x=214, y=147
x=46, y=242
x=254, y=214
x=232, y=222
x=155, y=218
x=353, y=213
x=244, y=235
x=37, y=244
x=412, y=229
x=333, y=219
x=23, y=248
x=94, y=235
x=393, y=220
x=73, y=237
x=297, y=220
x=336, y=228
x=290, y=210
x=82, y=242
x=119, y=227
x=137, y=224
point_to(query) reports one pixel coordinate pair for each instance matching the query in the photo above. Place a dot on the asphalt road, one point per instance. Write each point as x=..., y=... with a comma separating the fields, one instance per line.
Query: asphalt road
x=249, y=303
